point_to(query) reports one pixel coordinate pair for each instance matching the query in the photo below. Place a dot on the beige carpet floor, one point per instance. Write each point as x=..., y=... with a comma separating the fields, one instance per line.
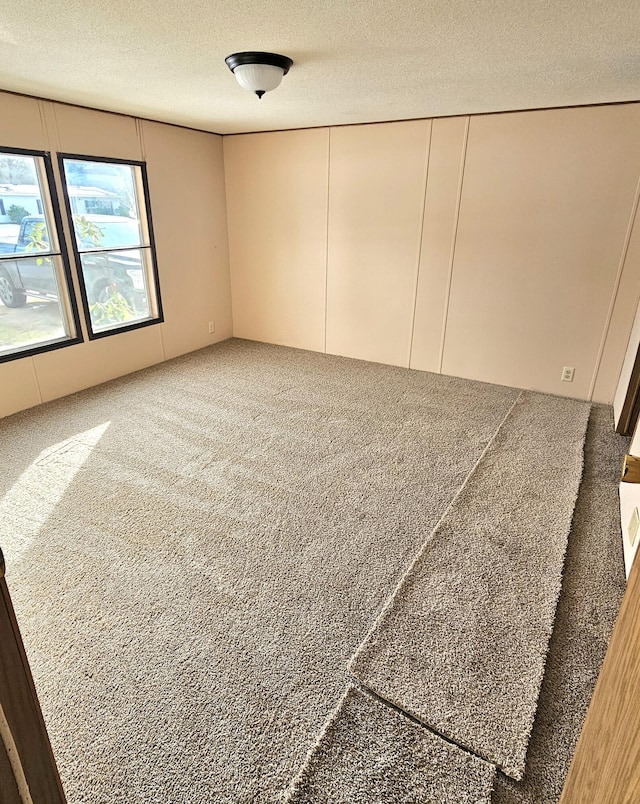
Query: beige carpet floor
x=193, y=556
x=195, y=551
x=462, y=643
x=351, y=757
x=372, y=753
x=592, y=590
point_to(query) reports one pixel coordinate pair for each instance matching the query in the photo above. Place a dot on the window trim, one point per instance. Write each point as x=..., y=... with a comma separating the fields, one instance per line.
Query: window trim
x=64, y=256
x=159, y=319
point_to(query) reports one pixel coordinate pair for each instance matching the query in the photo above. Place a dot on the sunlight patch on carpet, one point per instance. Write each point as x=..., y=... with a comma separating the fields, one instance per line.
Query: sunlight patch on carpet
x=31, y=500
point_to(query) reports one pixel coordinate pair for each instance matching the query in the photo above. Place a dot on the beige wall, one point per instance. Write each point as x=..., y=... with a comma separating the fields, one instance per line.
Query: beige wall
x=375, y=218
x=186, y=184
x=496, y=247
x=546, y=202
x=277, y=236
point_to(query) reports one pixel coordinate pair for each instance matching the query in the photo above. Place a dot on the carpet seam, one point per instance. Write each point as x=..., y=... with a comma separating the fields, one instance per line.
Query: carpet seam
x=400, y=711
x=540, y=677
x=428, y=539
x=353, y=678
x=516, y=775
x=333, y=717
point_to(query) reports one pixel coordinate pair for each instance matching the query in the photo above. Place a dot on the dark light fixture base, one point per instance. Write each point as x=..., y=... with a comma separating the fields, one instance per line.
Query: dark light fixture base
x=258, y=57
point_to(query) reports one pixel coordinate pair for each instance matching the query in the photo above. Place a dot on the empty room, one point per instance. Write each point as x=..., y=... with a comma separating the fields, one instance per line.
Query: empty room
x=319, y=384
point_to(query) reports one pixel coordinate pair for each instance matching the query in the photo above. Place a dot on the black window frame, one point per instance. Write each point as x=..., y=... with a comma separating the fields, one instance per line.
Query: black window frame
x=64, y=256
x=159, y=319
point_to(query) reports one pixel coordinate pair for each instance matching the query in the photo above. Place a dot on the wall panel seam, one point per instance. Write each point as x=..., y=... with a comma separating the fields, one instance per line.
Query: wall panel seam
x=141, y=143
x=420, y=240
x=52, y=137
x=36, y=380
x=227, y=205
x=162, y=349
x=463, y=162
x=614, y=294
x=326, y=242
x=45, y=127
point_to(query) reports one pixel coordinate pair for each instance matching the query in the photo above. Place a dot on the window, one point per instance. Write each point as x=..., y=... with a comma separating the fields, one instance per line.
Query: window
x=113, y=245
x=37, y=307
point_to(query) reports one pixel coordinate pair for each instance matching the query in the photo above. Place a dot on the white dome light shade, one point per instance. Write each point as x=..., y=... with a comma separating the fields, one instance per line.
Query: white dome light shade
x=258, y=77
x=258, y=72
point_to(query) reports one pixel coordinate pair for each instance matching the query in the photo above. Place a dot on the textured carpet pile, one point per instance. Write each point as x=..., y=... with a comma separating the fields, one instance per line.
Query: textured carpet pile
x=369, y=752
x=231, y=523
x=462, y=643
x=196, y=551
x=592, y=590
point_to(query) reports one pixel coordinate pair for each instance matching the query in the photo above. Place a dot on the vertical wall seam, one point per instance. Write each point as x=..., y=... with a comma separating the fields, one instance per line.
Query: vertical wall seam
x=143, y=158
x=52, y=136
x=223, y=152
x=445, y=321
x=614, y=294
x=162, y=349
x=326, y=243
x=36, y=380
x=56, y=136
x=67, y=228
x=45, y=127
x=141, y=142
x=420, y=239
x=227, y=214
x=53, y=144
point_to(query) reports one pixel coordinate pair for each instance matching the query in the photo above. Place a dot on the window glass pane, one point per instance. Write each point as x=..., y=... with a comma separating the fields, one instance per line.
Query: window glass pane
x=104, y=204
x=23, y=227
x=117, y=287
x=37, y=308
x=105, y=231
x=31, y=312
x=107, y=203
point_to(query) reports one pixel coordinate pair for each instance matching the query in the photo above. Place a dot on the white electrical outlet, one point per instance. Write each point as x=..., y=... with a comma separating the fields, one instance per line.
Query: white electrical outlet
x=212, y=327
x=567, y=374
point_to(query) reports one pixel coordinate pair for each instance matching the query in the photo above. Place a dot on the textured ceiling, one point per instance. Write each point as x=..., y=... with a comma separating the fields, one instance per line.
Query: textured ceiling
x=354, y=60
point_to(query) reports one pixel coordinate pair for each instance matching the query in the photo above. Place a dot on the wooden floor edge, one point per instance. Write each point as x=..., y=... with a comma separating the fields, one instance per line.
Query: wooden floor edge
x=606, y=763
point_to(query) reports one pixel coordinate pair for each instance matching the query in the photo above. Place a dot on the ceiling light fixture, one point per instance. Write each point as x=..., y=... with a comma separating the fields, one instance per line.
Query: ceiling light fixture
x=258, y=72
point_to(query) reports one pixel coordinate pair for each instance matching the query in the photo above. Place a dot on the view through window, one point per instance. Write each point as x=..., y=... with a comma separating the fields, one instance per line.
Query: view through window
x=37, y=308
x=106, y=200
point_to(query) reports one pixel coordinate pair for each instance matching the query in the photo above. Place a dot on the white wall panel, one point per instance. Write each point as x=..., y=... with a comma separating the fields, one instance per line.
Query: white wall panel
x=444, y=179
x=546, y=204
x=376, y=195
x=186, y=181
x=277, y=208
